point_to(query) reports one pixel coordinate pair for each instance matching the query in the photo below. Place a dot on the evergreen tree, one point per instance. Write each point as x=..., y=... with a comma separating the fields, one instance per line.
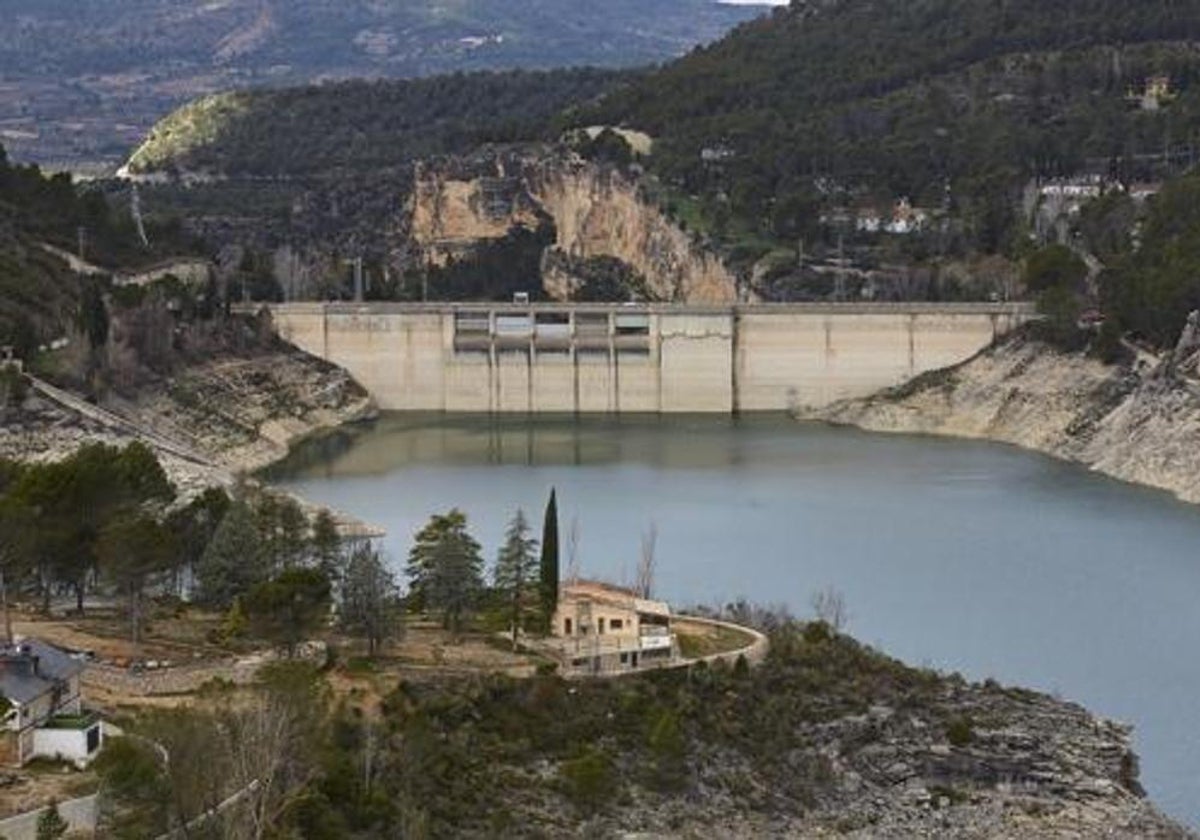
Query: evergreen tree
x=370, y=598
x=233, y=561
x=16, y=554
x=50, y=824
x=290, y=608
x=515, y=568
x=132, y=549
x=548, y=570
x=283, y=529
x=326, y=547
x=194, y=527
x=445, y=568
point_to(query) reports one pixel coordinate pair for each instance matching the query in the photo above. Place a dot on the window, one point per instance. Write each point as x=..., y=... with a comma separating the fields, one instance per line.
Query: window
x=567, y=627
x=638, y=324
x=624, y=658
x=616, y=624
x=600, y=625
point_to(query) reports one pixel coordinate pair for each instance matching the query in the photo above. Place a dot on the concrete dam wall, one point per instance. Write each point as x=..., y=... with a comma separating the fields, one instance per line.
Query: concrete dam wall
x=658, y=358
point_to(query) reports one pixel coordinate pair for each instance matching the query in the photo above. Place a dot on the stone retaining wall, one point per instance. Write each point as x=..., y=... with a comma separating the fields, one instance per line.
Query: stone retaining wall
x=185, y=679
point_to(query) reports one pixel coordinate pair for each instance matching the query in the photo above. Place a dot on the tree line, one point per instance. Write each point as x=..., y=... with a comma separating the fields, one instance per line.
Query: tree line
x=954, y=105
x=40, y=298
x=1148, y=264
x=361, y=125
x=106, y=520
x=446, y=572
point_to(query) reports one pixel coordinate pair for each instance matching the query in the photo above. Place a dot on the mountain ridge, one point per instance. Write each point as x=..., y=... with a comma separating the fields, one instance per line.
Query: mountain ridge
x=84, y=79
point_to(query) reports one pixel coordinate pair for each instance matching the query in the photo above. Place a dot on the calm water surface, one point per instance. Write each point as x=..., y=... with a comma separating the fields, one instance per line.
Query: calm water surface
x=968, y=557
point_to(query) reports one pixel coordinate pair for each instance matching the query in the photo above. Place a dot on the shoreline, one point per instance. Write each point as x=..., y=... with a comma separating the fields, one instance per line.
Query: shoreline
x=233, y=417
x=1138, y=423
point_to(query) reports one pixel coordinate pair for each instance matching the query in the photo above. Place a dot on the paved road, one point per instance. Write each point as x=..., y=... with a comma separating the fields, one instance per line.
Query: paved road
x=80, y=815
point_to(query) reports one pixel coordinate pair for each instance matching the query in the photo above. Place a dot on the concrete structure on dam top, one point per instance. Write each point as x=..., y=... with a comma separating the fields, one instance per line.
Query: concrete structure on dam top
x=656, y=358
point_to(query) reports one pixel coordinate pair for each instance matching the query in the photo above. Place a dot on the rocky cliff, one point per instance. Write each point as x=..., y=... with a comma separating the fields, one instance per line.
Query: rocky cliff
x=238, y=409
x=596, y=211
x=1138, y=421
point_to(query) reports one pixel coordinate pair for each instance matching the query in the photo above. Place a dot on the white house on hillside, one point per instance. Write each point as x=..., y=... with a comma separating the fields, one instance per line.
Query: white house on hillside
x=41, y=706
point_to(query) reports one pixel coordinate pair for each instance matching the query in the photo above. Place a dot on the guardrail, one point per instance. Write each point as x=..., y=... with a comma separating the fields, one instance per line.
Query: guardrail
x=848, y=308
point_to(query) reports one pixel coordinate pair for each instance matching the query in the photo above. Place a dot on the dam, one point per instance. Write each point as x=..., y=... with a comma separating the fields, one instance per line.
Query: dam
x=638, y=358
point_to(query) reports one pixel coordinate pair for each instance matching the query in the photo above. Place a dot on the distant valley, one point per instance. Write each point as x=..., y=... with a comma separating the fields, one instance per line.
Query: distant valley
x=81, y=81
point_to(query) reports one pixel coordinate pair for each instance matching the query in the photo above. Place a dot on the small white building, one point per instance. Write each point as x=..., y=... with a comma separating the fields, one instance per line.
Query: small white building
x=42, y=711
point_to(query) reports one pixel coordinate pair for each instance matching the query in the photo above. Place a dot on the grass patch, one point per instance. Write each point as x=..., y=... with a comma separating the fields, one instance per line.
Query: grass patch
x=361, y=666
x=82, y=721
x=700, y=640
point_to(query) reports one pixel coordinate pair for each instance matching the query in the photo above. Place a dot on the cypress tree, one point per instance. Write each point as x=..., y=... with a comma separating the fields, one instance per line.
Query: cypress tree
x=549, y=564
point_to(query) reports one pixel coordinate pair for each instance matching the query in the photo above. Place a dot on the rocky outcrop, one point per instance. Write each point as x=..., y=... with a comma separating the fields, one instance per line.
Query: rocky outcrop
x=1138, y=421
x=238, y=411
x=1010, y=764
x=835, y=740
x=597, y=211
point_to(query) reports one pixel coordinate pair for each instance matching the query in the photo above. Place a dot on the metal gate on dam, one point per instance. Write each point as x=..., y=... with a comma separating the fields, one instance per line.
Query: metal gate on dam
x=655, y=358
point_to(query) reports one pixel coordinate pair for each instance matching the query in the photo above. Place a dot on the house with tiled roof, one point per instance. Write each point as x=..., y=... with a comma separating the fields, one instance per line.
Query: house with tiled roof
x=605, y=629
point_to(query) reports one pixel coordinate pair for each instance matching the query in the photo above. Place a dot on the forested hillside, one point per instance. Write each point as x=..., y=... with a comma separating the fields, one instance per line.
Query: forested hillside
x=83, y=79
x=40, y=297
x=878, y=148
x=1153, y=276
x=951, y=103
x=363, y=125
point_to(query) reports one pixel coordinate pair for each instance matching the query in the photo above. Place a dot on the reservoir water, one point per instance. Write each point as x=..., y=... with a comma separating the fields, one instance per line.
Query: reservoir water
x=963, y=556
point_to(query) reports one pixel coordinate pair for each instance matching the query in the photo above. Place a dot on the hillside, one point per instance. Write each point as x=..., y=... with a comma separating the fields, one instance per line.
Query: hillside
x=41, y=299
x=827, y=739
x=889, y=150
x=361, y=126
x=796, y=125
x=83, y=80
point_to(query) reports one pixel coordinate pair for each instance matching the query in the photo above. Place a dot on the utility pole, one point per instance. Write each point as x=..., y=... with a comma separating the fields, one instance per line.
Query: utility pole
x=839, y=291
x=357, y=262
x=81, y=236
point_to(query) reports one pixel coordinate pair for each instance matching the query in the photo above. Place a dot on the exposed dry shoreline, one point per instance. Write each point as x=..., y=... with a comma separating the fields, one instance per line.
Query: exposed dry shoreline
x=1137, y=422
x=1062, y=772
x=238, y=414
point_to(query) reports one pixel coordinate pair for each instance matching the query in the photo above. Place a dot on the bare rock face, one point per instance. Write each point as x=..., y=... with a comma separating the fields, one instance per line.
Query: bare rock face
x=453, y=210
x=1138, y=423
x=597, y=212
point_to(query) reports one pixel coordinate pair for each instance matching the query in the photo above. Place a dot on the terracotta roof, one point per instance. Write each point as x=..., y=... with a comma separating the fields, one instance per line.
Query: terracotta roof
x=614, y=596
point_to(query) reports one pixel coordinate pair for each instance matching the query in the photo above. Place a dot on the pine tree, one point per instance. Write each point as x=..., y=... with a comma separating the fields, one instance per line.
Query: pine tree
x=445, y=568
x=233, y=562
x=370, y=598
x=50, y=824
x=290, y=608
x=515, y=567
x=326, y=547
x=132, y=549
x=549, y=564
